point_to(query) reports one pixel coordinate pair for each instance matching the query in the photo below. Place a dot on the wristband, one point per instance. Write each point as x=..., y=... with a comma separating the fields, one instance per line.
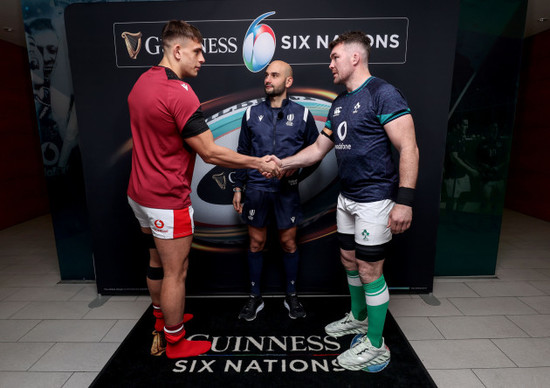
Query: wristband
x=405, y=196
x=237, y=190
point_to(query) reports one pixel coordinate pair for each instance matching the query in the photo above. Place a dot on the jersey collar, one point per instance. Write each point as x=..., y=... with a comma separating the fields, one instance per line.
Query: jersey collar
x=283, y=104
x=361, y=87
x=170, y=74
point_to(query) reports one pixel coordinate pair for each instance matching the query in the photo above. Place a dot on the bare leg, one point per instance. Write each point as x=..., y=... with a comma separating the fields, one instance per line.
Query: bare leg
x=154, y=286
x=287, y=237
x=174, y=256
x=257, y=238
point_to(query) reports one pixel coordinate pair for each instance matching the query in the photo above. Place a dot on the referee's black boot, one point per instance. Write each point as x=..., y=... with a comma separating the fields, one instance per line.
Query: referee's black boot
x=253, y=306
x=294, y=307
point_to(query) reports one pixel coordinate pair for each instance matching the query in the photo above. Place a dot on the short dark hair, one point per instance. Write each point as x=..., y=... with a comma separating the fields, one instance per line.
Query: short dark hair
x=350, y=37
x=40, y=24
x=175, y=29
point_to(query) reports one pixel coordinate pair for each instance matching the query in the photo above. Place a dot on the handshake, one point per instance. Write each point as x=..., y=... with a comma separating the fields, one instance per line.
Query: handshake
x=272, y=167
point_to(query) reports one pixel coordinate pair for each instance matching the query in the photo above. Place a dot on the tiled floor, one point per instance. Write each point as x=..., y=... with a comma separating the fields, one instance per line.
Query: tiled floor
x=484, y=333
x=489, y=332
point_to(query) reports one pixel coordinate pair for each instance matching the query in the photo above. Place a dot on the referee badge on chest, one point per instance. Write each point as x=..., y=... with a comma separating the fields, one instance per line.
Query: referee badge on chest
x=289, y=119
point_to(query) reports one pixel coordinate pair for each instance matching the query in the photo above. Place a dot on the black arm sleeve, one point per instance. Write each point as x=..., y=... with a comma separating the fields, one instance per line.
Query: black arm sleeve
x=193, y=127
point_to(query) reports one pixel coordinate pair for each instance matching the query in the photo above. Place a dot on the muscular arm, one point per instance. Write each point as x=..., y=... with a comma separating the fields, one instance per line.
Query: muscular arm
x=402, y=135
x=203, y=144
x=309, y=155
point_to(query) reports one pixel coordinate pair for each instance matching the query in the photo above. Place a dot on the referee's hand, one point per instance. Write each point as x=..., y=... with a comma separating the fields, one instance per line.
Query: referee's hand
x=237, y=204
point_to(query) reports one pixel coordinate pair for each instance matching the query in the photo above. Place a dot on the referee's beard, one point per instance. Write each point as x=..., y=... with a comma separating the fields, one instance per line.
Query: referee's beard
x=275, y=92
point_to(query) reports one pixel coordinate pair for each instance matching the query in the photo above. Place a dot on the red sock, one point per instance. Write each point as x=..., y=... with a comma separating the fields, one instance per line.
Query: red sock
x=159, y=323
x=178, y=347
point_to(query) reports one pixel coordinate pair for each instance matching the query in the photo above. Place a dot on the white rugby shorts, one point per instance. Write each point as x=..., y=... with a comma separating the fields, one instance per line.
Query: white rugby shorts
x=164, y=223
x=367, y=221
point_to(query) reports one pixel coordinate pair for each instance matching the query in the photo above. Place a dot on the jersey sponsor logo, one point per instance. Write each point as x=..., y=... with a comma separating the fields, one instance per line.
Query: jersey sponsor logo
x=159, y=224
x=342, y=146
x=259, y=44
x=356, y=108
x=337, y=111
x=342, y=132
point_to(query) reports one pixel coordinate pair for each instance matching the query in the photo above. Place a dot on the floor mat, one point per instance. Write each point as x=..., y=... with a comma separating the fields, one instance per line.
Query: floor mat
x=271, y=351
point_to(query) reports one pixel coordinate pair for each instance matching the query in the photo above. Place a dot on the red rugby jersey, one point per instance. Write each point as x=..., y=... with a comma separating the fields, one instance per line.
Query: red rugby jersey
x=160, y=105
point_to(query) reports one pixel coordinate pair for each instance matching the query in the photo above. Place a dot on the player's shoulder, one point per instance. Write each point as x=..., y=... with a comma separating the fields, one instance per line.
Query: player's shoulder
x=382, y=89
x=181, y=91
x=340, y=96
x=172, y=81
x=376, y=84
x=183, y=87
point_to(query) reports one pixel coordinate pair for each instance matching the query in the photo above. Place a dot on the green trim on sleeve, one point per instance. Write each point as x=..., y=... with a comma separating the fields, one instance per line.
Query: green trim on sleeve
x=384, y=119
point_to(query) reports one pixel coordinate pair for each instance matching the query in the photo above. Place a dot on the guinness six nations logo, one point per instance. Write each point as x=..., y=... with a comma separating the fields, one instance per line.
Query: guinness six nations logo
x=303, y=41
x=259, y=44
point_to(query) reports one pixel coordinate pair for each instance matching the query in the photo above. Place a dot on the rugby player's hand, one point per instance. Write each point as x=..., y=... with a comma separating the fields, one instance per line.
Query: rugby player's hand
x=237, y=204
x=275, y=160
x=400, y=218
x=269, y=168
x=287, y=173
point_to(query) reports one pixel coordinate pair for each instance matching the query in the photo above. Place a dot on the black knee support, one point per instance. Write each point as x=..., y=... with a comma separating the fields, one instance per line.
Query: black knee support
x=347, y=241
x=155, y=273
x=371, y=253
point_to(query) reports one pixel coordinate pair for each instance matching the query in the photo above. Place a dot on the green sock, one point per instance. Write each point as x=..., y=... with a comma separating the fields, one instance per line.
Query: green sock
x=358, y=302
x=378, y=299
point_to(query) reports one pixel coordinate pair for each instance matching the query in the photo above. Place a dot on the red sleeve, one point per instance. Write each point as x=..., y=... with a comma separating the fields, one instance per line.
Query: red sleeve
x=183, y=103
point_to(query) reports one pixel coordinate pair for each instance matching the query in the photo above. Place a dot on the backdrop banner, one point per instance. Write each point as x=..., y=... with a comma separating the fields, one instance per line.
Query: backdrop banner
x=112, y=44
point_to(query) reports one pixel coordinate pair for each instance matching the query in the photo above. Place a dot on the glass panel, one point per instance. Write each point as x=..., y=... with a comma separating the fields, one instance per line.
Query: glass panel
x=479, y=137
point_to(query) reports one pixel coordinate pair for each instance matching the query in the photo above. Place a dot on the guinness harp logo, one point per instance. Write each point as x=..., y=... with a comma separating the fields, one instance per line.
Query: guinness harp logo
x=133, y=43
x=220, y=180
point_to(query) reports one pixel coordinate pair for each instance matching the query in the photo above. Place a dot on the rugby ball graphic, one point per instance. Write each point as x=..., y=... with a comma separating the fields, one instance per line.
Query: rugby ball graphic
x=212, y=186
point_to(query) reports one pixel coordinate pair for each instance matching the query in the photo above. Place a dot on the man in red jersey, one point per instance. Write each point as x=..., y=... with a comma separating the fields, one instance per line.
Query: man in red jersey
x=168, y=130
